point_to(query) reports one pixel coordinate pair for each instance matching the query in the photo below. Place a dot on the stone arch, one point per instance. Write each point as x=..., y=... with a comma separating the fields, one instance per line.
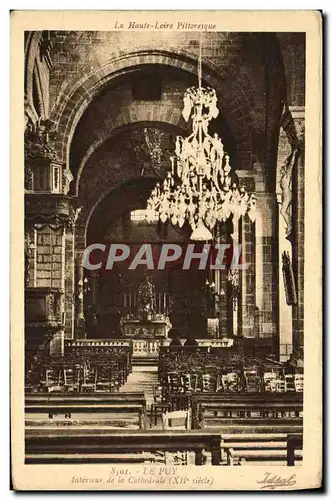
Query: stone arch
x=32, y=42
x=85, y=221
x=75, y=99
x=135, y=114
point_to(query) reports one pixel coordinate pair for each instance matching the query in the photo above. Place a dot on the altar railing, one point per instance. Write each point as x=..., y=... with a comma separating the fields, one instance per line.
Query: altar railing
x=146, y=347
x=141, y=347
x=98, y=343
x=226, y=342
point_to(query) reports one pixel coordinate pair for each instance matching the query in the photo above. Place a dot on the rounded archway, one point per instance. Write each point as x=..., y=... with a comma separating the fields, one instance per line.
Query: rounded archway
x=75, y=100
x=120, y=218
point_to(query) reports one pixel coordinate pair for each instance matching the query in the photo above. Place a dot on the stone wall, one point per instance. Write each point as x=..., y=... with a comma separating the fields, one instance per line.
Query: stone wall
x=233, y=63
x=50, y=257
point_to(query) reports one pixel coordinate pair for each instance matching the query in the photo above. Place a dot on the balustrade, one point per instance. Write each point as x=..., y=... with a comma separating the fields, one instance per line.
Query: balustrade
x=146, y=347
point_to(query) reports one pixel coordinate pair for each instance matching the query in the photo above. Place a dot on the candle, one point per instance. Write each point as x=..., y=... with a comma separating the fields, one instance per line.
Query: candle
x=172, y=162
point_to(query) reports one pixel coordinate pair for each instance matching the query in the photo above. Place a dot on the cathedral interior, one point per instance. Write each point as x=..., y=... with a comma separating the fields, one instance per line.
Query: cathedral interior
x=103, y=111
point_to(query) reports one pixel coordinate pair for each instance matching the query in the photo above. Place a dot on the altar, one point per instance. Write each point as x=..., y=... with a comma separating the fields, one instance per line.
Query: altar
x=134, y=328
x=145, y=335
x=147, y=327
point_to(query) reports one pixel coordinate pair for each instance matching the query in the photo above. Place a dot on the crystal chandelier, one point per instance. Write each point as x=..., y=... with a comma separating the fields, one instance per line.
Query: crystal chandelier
x=201, y=187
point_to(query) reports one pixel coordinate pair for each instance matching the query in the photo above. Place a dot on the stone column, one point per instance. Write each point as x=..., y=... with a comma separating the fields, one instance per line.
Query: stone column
x=298, y=238
x=79, y=284
x=246, y=238
x=30, y=256
x=92, y=305
x=235, y=305
x=80, y=324
x=266, y=266
x=49, y=234
x=247, y=275
x=220, y=280
x=285, y=311
x=69, y=281
x=290, y=191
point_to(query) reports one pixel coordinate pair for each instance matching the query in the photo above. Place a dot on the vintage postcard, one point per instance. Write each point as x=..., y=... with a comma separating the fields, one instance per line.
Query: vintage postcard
x=166, y=201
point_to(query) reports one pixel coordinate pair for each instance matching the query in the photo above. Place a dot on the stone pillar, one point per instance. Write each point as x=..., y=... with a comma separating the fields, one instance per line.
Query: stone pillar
x=298, y=238
x=91, y=305
x=49, y=221
x=220, y=279
x=50, y=255
x=79, y=286
x=266, y=265
x=290, y=191
x=49, y=225
x=235, y=304
x=30, y=256
x=259, y=277
x=93, y=280
x=247, y=278
x=285, y=311
x=69, y=281
x=246, y=237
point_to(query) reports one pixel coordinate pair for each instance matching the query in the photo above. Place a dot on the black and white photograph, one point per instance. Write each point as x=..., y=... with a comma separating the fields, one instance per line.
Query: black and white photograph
x=171, y=192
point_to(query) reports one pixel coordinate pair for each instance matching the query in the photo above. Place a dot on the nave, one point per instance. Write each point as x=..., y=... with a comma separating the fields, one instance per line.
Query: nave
x=146, y=363
x=198, y=405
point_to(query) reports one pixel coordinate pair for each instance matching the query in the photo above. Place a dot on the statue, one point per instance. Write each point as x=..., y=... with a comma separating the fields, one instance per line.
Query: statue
x=146, y=293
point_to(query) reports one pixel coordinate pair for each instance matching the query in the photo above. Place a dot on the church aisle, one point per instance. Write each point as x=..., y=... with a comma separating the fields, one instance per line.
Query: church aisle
x=142, y=379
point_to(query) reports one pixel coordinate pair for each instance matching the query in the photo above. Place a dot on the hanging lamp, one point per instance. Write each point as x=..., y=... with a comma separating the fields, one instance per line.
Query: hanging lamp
x=201, y=186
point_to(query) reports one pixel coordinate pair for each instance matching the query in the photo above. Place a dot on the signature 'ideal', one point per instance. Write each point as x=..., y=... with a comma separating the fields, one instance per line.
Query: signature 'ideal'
x=272, y=481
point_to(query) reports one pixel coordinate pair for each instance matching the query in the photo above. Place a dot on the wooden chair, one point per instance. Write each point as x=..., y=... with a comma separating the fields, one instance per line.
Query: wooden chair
x=174, y=384
x=219, y=384
x=180, y=420
x=231, y=382
x=72, y=379
x=280, y=385
x=189, y=382
x=159, y=406
x=209, y=383
x=289, y=382
x=103, y=379
x=52, y=380
x=253, y=382
x=89, y=379
x=299, y=382
x=269, y=379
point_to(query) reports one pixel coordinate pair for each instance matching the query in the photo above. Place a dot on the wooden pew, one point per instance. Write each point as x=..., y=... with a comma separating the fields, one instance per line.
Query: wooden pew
x=260, y=449
x=76, y=446
x=294, y=443
x=250, y=396
x=235, y=405
x=86, y=398
x=101, y=446
x=90, y=405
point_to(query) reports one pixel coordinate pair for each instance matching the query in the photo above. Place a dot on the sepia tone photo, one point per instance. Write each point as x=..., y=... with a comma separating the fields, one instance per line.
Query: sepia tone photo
x=166, y=325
